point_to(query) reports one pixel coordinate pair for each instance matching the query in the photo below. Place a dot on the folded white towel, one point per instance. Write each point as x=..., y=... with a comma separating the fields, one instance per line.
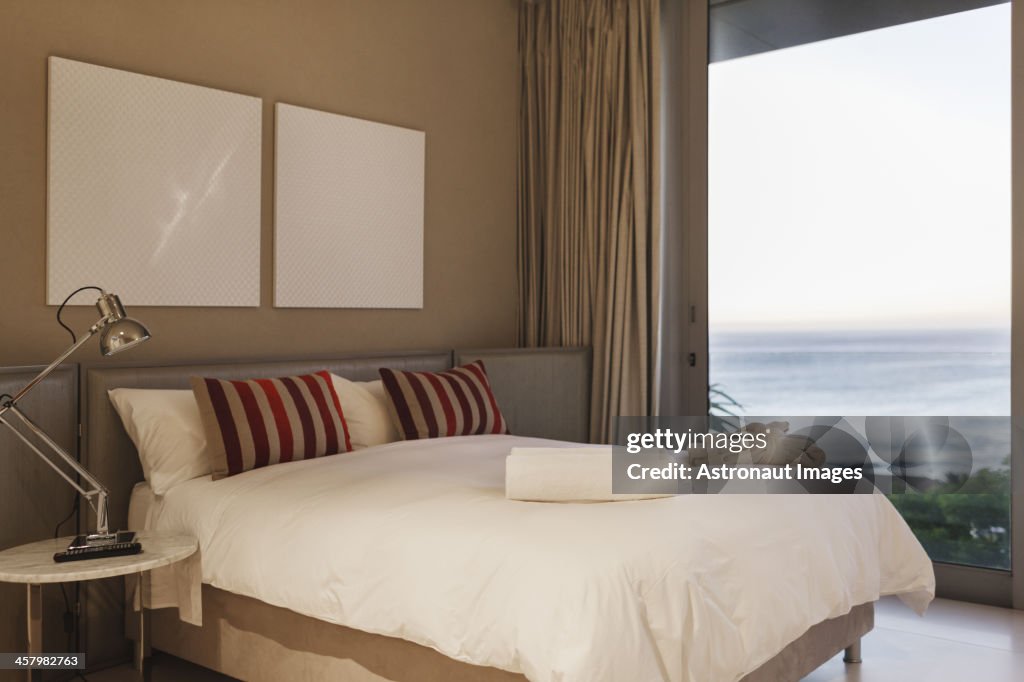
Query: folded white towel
x=581, y=474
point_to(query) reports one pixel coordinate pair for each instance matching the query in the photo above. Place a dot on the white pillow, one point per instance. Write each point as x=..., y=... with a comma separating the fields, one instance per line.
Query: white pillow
x=364, y=405
x=168, y=433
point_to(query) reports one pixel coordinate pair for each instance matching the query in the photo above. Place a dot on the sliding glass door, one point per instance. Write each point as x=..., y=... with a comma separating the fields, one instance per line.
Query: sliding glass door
x=859, y=244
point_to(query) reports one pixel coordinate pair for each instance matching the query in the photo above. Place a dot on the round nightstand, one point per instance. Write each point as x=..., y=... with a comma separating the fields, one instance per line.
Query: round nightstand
x=33, y=565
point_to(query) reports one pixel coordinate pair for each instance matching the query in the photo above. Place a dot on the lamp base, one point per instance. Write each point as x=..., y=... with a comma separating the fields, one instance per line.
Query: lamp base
x=99, y=545
x=102, y=539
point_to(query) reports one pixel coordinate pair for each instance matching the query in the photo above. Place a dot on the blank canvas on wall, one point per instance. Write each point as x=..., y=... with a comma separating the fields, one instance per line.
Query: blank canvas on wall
x=153, y=189
x=349, y=212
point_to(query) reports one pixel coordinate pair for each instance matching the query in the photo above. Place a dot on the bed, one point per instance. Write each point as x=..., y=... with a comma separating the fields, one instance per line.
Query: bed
x=406, y=562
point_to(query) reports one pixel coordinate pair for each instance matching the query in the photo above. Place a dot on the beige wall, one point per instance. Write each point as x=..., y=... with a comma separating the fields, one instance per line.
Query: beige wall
x=448, y=67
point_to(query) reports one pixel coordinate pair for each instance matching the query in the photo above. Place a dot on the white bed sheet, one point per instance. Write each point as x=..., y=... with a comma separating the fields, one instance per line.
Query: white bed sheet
x=177, y=585
x=416, y=540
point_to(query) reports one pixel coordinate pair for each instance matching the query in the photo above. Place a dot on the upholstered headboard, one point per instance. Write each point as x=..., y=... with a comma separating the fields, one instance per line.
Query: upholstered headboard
x=544, y=392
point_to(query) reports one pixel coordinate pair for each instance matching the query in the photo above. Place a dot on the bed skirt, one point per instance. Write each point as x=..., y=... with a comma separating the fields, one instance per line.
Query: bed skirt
x=254, y=641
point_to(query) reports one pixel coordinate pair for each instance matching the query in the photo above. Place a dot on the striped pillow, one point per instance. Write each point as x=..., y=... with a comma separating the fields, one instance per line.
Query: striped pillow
x=458, y=402
x=256, y=423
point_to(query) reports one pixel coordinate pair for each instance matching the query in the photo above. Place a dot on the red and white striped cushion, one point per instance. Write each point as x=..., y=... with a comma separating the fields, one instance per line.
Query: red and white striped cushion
x=458, y=402
x=256, y=423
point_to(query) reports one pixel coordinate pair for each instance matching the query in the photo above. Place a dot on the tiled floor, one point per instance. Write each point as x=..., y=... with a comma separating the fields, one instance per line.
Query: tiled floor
x=953, y=642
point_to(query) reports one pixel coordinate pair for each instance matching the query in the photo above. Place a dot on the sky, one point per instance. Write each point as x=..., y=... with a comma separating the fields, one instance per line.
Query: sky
x=864, y=181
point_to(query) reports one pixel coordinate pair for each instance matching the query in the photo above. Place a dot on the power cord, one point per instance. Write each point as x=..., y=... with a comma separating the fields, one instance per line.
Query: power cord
x=69, y=615
x=74, y=339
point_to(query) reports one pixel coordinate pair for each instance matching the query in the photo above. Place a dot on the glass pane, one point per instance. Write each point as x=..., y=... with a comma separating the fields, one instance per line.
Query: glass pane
x=859, y=243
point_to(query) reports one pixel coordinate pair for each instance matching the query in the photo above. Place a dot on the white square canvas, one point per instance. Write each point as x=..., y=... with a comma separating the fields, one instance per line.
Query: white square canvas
x=349, y=212
x=154, y=189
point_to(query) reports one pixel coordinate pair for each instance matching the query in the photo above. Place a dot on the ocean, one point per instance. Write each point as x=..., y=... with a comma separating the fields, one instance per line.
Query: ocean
x=880, y=372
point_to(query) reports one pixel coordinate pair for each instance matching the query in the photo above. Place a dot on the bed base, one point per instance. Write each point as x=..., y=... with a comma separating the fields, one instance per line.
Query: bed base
x=254, y=641
x=819, y=644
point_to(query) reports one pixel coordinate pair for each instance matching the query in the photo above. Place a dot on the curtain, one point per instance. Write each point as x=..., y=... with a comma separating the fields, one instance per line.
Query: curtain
x=588, y=193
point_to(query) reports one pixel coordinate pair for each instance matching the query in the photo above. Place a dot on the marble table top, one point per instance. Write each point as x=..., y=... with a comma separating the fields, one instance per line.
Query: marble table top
x=33, y=563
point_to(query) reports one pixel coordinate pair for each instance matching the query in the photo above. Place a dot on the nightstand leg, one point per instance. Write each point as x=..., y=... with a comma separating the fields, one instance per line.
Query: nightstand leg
x=34, y=610
x=142, y=663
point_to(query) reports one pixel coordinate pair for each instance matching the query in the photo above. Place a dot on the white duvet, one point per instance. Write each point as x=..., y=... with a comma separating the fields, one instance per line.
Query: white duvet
x=416, y=540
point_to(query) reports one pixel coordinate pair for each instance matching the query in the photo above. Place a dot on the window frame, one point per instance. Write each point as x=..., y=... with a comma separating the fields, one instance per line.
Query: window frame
x=683, y=367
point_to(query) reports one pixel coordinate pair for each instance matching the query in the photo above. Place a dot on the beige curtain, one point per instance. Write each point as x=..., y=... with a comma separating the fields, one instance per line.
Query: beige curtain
x=588, y=219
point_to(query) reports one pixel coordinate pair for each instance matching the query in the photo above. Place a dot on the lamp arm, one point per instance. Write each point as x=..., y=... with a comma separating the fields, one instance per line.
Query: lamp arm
x=64, y=455
x=53, y=365
x=32, y=446
x=97, y=490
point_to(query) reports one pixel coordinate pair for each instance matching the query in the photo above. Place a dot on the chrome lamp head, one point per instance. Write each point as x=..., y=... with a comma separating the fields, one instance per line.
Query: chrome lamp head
x=120, y=332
